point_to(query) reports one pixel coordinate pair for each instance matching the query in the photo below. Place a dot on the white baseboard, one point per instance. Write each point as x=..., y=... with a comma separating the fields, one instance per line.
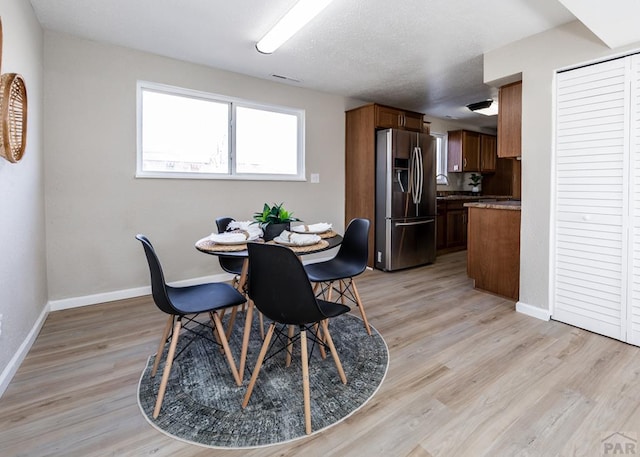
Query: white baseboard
x=533, y=311
x=75, y=302
x=12, y=367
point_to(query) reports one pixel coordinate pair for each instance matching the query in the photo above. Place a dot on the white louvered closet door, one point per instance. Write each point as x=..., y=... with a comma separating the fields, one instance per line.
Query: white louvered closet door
x=591, y=198
x=633, y=314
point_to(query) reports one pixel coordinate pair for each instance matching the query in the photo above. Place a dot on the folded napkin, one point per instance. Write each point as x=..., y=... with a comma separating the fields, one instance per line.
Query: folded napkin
x=313, y=228
x=299, y=239
x=247, y=226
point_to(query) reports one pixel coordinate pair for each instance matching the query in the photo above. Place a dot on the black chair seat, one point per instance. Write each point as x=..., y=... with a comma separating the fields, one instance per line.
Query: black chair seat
x=204, y=297
x=332, y=309
x=332, y=270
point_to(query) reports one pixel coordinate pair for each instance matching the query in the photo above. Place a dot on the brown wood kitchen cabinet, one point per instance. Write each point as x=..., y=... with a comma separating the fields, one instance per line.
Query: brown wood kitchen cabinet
x=488, y=153
x=493, y=254
x=441, y=226
x=505, y=180
x=456, y=225
x=360, y=157
x=451, y=229
x=510, y=120
x=463, y=151
x=393, y=118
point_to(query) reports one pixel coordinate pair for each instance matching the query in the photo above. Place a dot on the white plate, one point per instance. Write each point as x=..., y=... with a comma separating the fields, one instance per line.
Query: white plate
x=233, y=243
x=289, y=243
x=300, y=229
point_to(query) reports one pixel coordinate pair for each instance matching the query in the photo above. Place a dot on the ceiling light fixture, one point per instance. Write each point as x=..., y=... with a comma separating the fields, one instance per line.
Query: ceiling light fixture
x=486, y=107
x=297, y=17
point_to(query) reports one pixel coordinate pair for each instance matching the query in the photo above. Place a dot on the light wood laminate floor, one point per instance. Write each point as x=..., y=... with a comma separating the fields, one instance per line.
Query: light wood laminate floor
x=468, y=376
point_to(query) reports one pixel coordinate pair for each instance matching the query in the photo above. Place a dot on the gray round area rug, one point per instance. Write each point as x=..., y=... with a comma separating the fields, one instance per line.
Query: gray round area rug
x=202, y=404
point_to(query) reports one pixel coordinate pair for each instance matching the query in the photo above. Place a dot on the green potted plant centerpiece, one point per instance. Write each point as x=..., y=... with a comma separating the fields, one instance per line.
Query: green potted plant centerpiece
x=273, y=220
x=475, y=182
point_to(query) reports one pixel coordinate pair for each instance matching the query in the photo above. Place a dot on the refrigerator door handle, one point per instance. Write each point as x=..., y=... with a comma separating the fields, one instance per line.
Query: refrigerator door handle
x=414, y=175
x=404, y=224
x=420, y=167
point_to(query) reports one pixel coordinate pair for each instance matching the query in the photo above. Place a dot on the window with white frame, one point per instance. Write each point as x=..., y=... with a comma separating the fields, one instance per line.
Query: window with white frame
x=441, y=158
x=184, y=133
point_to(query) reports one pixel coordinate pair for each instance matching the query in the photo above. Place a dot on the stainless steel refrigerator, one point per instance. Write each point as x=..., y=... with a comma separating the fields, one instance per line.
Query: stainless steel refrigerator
x=405, y=225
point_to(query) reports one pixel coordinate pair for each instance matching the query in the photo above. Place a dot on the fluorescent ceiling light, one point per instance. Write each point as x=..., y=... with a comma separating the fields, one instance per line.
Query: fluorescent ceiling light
x=486, y=107
x=301, y=13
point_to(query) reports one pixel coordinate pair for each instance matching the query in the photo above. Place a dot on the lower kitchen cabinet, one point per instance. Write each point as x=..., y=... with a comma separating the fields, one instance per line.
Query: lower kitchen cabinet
x=451, y=234
x=457, y=228
x=441, y=227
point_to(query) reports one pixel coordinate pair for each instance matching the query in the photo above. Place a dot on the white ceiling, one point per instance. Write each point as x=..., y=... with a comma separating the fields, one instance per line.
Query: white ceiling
x=422, y=55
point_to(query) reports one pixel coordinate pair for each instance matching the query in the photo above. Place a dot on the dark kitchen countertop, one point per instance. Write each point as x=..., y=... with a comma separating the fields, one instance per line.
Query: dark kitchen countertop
x=472, y=197
x=513, y=205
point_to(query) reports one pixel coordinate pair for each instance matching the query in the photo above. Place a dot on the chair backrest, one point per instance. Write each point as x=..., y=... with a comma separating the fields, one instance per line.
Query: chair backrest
x=279, y=285
x=223, y=222
x=229, y=264
x=158, y=284
x=355, y=244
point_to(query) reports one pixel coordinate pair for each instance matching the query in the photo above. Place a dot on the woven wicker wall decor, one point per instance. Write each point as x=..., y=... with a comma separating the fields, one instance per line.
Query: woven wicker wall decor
x=13, y=113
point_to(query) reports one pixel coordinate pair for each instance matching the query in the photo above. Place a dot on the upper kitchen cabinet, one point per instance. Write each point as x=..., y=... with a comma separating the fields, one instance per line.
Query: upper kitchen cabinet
x=463, y=151
x=488, y=154
x=510, y=120
x=393, y=118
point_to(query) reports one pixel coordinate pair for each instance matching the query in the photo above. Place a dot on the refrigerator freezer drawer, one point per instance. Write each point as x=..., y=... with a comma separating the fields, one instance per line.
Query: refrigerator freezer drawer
x=406, y=243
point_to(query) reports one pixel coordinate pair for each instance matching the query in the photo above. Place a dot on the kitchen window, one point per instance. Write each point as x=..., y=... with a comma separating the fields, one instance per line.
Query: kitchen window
x=441, y=158
x=190, y=134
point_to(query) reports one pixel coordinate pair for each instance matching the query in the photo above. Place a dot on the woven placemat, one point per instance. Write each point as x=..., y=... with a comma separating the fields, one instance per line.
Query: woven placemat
x=206, y=244
x=327, y=234
x=312, y=247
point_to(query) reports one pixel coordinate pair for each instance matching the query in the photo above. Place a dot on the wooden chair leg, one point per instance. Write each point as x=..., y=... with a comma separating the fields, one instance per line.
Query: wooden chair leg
x=232, y=320
x=225, y=346
x=261, y=325
x=165, y=335
x=330, y=290
x=318, y=331
x=315, y=288
x=334, y=353
x=359, y=302
x=167, y=367
x=305, y=380
x=256, y=369
x=289, y=348
x=245, y=338
x=242, y=281
x=342, y=286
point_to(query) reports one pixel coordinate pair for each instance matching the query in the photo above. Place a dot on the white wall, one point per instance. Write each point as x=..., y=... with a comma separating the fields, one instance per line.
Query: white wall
x=23, y=282
x=94, y=204
x=537, y=58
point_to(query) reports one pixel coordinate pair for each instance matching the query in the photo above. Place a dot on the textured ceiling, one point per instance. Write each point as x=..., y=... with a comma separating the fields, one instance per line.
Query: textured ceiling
x=423, y=55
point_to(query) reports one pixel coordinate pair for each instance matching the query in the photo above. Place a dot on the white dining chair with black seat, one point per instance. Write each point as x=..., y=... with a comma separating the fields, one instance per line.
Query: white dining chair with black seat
x=349, y=262
x=183, y=305
x=280, y=289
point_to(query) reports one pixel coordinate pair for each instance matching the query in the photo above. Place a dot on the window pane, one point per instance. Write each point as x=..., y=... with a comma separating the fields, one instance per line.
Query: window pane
x=184, y=134
x=266, y=142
